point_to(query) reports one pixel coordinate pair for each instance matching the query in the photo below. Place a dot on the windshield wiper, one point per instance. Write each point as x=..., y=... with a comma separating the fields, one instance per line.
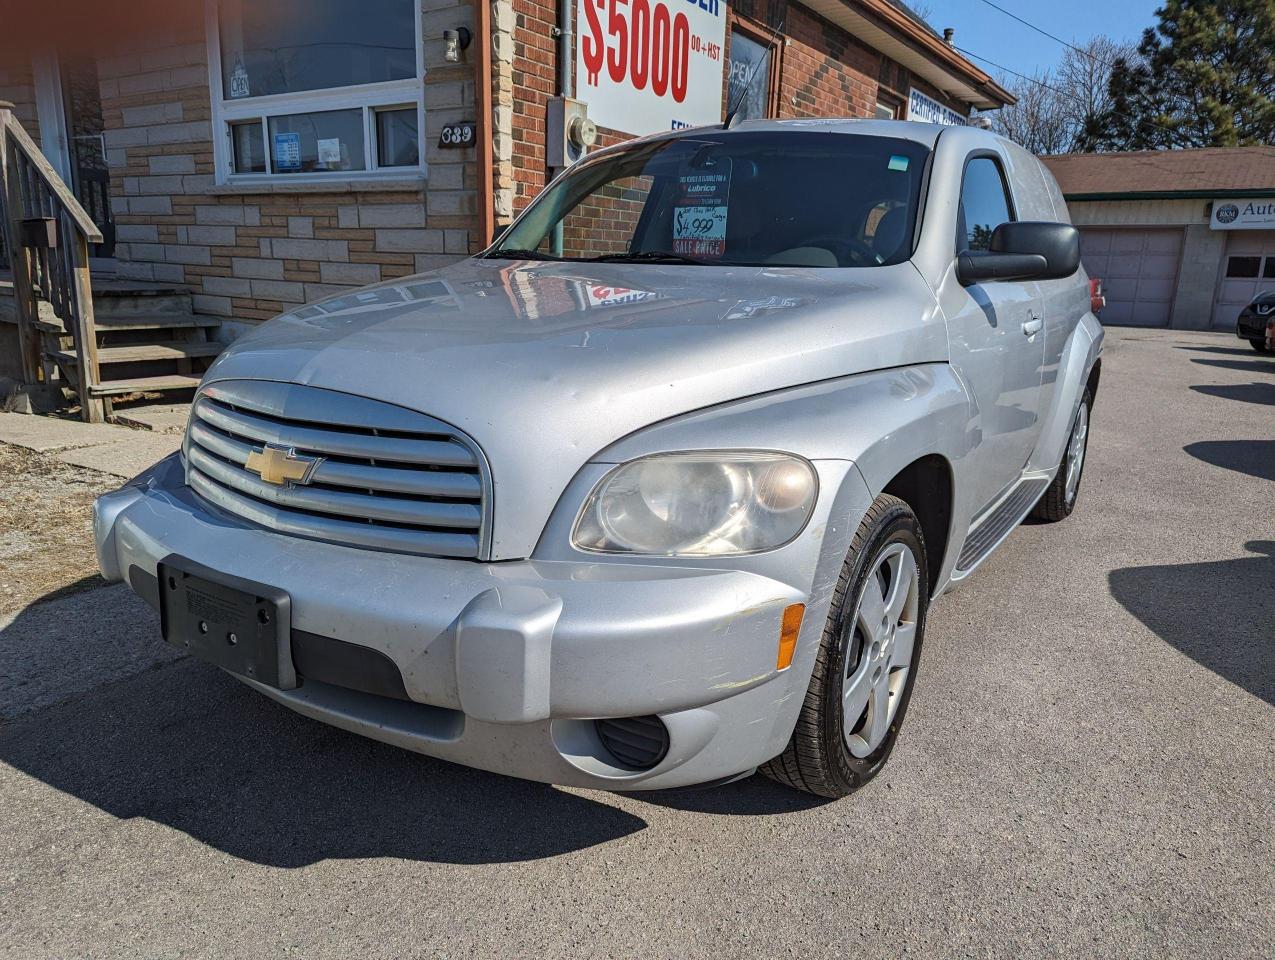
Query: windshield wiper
x=520, y=254
x=650, y=256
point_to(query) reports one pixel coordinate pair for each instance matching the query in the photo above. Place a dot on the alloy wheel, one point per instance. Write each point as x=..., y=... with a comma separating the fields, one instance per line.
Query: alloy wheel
x=1076, y=452
x=879, y=644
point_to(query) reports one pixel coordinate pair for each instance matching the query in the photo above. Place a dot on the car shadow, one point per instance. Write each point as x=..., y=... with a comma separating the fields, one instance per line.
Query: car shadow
x=1219, y=614
x=756, y=796
x=1254, y=457
x=1228, y=351
x=1256, y=392
x=1255, y=365
x=183, y=744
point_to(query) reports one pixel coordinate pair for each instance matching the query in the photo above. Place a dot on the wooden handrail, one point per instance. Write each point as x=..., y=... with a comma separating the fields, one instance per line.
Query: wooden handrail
x=57, y=186
x=55, y=268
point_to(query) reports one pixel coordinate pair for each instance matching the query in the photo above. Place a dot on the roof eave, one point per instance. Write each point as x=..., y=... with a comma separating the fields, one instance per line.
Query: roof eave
x=1168, y=195
x=889, y=29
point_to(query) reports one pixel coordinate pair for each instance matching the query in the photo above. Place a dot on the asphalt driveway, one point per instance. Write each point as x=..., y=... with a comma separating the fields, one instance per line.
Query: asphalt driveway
x=1088, y=768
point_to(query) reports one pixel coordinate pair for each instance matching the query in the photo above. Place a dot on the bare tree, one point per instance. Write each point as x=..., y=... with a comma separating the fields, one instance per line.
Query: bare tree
x=1040, y=120
x=1054, y=107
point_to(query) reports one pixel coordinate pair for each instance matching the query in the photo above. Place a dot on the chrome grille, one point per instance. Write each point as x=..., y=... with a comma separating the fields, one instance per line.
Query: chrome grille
x=390, y=478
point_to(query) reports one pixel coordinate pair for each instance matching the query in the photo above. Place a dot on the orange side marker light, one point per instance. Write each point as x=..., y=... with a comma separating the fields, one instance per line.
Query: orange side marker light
x=789, y=627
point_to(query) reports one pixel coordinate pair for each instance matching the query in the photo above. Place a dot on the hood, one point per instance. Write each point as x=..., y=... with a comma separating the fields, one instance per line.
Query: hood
x=545, y=364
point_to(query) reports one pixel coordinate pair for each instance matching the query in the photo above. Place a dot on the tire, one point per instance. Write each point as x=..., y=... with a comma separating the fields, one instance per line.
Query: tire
x=1259, y=344
x=1058, y=501
x=819, y=758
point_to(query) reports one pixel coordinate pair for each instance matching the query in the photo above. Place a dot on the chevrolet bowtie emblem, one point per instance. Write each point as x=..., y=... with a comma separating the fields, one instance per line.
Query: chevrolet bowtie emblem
x=279, y=465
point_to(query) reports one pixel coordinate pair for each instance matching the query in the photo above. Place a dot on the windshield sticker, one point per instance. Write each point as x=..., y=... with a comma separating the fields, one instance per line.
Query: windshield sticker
x=699, y=214
x=898, y=163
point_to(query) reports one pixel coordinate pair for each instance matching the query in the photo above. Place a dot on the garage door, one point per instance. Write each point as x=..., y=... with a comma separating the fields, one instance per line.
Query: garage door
x=1139, y=271
x=1247, y=268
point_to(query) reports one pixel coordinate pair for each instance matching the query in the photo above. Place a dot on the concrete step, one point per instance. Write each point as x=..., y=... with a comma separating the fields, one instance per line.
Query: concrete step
x=169, y=418
x=172, y=381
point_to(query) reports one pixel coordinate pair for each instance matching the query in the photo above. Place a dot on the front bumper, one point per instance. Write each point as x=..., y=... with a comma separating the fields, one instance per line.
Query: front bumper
x=504, y=666
x=1250, y=326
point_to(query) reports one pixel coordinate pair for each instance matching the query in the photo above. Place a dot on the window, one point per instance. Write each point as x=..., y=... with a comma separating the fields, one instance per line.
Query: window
x=1245, y=268
x=985, y=204
x=887, y=109
x=749, y=71
x=315, y=88
x=739, y=200
x=1268, y=270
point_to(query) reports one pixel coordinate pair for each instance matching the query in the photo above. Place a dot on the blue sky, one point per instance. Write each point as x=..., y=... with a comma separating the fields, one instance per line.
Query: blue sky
x=986, y=31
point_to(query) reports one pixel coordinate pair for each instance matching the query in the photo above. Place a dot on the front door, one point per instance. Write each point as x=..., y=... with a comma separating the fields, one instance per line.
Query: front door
x=998, y=343
x=90, y=176
x=69, y=107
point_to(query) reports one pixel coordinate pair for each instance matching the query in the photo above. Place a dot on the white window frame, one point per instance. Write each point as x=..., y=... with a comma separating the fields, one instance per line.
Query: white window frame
x=368, y=97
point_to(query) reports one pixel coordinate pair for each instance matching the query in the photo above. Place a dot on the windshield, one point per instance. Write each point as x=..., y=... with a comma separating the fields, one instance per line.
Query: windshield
x=774, y=198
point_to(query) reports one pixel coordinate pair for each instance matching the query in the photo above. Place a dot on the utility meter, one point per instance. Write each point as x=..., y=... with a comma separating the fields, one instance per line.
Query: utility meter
x=569, y=131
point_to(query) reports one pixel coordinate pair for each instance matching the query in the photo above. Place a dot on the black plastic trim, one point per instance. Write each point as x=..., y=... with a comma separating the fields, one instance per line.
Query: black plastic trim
x=337, y=663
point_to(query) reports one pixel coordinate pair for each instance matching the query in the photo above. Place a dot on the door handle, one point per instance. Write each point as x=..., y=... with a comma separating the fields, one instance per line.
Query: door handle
x=1033, y=326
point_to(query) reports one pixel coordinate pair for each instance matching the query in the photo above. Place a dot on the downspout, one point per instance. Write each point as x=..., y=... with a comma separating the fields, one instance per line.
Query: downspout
x=482, y=94
x=566, y=83
x=566, y=60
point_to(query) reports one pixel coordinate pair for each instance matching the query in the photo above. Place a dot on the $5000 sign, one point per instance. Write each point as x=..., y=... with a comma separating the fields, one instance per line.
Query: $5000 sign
x=645, y=66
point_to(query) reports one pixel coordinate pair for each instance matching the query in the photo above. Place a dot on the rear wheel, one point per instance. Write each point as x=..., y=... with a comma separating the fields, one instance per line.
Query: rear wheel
x=1060, y=498
x=866, y=666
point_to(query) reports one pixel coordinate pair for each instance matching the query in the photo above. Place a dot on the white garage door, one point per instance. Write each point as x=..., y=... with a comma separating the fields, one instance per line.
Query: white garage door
x=1247, y=268
x=1139, y=271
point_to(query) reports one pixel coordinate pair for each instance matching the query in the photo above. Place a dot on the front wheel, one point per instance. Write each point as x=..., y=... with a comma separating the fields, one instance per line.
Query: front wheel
x=1259, y=344
x=1060, y=498
x=866, y=666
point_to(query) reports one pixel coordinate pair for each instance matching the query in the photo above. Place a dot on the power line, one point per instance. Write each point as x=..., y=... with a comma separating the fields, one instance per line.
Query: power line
x=1045, y=33
x=1062, y=93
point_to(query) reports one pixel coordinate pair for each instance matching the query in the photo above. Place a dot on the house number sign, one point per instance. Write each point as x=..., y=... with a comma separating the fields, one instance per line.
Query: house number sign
x=457, y=135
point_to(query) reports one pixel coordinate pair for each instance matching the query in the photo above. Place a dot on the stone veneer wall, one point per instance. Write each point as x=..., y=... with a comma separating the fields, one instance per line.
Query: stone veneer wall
x=250, y=253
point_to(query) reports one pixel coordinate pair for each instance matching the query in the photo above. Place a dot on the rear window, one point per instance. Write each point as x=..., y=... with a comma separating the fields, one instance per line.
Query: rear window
x=754, y=198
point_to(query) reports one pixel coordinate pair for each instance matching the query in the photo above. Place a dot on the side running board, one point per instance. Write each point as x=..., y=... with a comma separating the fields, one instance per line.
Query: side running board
x=995, y=525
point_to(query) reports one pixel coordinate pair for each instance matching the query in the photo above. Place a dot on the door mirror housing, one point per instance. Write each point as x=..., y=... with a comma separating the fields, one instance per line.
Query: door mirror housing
x=1027, y=250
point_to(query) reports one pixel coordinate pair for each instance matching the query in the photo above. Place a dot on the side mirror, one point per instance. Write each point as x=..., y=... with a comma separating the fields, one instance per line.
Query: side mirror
x=1023, y=251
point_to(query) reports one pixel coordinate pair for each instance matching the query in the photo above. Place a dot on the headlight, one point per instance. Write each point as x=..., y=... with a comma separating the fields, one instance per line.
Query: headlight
x=698, y=504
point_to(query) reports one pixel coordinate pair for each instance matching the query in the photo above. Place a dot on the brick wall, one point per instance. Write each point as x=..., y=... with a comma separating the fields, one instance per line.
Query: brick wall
x=824, y=71
x=248, y=253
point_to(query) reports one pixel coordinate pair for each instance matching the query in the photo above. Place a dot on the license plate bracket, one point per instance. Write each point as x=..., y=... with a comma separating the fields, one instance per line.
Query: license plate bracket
x=239, y=625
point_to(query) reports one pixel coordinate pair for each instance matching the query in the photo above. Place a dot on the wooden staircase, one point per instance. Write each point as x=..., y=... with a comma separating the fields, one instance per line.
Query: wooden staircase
x=148, y=342
x=106, y=341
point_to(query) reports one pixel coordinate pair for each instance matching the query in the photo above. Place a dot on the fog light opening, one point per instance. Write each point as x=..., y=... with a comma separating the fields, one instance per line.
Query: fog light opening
x=635, y=743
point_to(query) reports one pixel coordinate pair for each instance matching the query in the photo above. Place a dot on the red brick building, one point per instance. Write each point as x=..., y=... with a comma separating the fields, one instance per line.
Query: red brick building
x=261, y=155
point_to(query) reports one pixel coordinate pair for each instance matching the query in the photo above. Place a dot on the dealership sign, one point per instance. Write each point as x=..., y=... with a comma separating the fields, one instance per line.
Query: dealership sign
x=644, y=66
x=1243, y=214
x=928, y=110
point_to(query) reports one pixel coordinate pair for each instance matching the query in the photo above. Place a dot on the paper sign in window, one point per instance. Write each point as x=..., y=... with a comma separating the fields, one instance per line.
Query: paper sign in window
x=287, y=151
x=330, y=152
x=700, y=211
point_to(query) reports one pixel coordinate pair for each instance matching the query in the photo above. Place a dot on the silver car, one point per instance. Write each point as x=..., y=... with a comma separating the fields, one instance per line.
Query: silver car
x=658, y=489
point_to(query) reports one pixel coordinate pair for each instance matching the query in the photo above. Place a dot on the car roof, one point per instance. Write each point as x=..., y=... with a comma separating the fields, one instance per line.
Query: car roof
x=922, y=133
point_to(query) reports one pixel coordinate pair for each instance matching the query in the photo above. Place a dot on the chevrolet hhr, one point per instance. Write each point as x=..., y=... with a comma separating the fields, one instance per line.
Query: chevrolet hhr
x=655, y=491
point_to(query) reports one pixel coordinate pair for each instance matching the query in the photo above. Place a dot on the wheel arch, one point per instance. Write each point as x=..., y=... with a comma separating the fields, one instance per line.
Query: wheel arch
x=927, y=485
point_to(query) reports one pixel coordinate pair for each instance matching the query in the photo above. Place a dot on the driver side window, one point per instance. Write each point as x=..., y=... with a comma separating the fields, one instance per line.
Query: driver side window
x=985, y=204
